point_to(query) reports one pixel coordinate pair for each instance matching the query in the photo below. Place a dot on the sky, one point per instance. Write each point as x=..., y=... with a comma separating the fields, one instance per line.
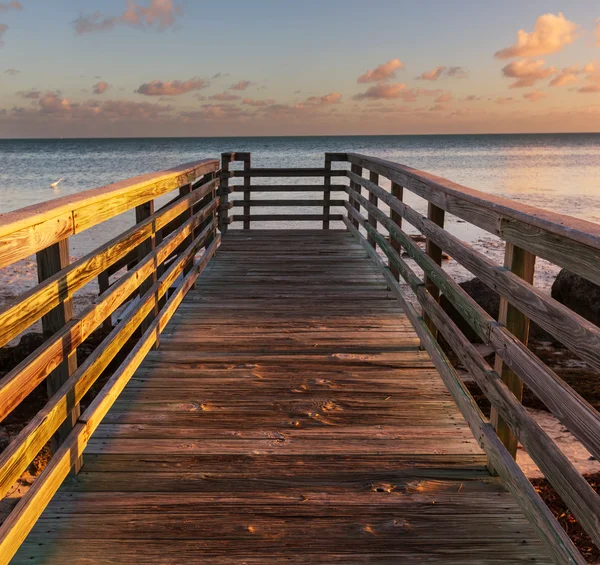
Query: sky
x=113, y=68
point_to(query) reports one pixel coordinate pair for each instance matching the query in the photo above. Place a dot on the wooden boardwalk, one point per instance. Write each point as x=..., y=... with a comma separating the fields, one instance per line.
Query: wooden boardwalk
x=288, y=416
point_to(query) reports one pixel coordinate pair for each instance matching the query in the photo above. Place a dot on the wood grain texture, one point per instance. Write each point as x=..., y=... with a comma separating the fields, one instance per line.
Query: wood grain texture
x=319, y=432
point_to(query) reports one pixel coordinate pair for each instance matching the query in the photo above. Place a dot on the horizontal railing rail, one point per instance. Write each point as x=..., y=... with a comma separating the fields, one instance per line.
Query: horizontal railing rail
x=163, y=254
x=527, y=231
x=248, y=189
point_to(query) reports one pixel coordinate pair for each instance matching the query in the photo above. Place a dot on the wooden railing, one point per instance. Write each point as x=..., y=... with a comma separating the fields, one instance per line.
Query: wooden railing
x=528, y=232
x=247, y=188
x=160, y=253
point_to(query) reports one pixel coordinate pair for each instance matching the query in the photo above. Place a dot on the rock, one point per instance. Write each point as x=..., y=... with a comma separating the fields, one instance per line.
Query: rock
x=578, y=294
x=489, y=300
x=483, y=295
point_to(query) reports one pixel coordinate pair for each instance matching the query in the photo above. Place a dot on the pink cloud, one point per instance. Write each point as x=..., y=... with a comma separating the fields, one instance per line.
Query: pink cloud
x=6, y=6
x=216, y=112
x=224, y=97
x=441, y=71
x=172, y=88
x=158, y=14
x=382, y=91
x=258, y=103
x=527, y=72
x=100, y=87
x=551, y=33
x=382, y=72
x=505, y=100
x=331, y=98
x=241, y=85
x=592, y=85
x=535, y=96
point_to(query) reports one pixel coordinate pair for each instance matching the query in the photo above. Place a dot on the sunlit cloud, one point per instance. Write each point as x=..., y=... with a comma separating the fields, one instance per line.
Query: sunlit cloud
x=505, y=100
x=241, y=85
x=331, y=98
x=258, y=103
x=100, y=87
x=527, y=72
x=441, y=71
x=592, y=79
x=6, y=6
x=158, y=14
x=12, y=72
x=216, y=112
x=535, y=96
x=172, y=88
x=551, y=33
x=385, y=71
x=382, y=91
x=571, y=74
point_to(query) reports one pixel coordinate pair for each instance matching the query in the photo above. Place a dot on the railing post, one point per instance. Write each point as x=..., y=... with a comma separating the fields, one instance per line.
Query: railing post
x=357, y=171
x=326, y=192
x=184, y=191
x=522, y=264
x=224, y=193
x=49, y=262
x=143, y=212
x=398, y=192
x=373, y=177
x=247, y=180
x=103, y=286
x=436, y=215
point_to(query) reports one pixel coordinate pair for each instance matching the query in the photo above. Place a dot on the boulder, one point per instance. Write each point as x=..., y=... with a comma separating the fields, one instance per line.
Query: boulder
x=578, y=294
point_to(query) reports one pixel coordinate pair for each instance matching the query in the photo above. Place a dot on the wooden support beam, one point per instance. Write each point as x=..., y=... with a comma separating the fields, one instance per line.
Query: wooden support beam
x=224, y=193
x=103, y=286
x=184, y=191
x=355, y=186
x=143, y=212
x=522, y=264
x=247, y=190
x=374, y=178
x=436, y=215
x=326, y=192
x=397, y=192
x=49, y=262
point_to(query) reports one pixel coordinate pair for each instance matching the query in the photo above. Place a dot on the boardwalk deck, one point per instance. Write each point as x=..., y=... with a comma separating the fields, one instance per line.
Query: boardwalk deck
x=288, y=416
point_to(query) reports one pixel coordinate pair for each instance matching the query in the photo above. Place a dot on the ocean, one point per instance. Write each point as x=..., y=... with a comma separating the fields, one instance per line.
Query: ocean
x=559, y=172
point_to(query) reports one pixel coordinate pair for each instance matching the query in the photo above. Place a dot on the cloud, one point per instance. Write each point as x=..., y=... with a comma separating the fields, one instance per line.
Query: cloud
x=5, y=6
x=527, y=72
x=382, y=91
x=158, y=14
x=441, y=71
x=30, y=94
x=471, y=98
x=241, y=85
x=331, y=98
x=224, y=97
x=385, y=71
x=258, y=103
x=3, y=29
x=12, y=72
x=100, y=87
x=535, y=95
x=592, y=80
x=551, y=33
x=571, y=74
x=216, y=112
x=505, y=100
x=173, y=88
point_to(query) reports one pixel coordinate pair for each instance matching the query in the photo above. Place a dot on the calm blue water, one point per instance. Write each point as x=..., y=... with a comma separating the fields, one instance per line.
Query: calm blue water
x=560, y=172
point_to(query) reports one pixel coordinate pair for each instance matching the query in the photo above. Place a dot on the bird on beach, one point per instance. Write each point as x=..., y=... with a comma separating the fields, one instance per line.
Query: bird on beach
x=54, y=185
